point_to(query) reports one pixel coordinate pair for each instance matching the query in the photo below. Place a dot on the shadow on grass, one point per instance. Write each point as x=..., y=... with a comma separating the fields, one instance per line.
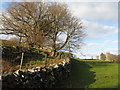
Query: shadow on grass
x=81, y=76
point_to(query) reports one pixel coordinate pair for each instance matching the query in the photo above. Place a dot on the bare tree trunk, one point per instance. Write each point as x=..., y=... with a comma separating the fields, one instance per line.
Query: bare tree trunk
x=54, y=52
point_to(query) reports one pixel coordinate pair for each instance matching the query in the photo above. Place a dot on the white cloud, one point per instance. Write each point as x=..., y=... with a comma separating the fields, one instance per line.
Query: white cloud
x=61, y=0
x=1, y=12
x=6, y=37
x=96, y=30
x=86, y=55
x=111, y=50
x=95, y=11
x=103, y=44
x=80, y=0
x=110, y=42
x=95, y=48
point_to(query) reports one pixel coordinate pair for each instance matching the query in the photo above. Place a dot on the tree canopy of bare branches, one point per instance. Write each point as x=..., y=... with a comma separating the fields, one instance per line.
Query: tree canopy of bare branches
x=25, y=20
x=42, y=24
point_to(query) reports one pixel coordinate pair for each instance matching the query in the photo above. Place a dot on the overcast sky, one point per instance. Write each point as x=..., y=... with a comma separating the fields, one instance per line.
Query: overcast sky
x=100, y=20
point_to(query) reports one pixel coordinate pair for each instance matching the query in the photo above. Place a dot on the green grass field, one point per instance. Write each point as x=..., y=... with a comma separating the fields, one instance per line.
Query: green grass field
x=92, y=74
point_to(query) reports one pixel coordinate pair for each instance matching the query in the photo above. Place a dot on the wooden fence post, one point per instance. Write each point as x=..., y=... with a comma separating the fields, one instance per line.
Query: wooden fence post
x=21, y=60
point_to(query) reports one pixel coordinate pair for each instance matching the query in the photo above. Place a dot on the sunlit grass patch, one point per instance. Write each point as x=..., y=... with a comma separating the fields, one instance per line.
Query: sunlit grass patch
x=92, y=74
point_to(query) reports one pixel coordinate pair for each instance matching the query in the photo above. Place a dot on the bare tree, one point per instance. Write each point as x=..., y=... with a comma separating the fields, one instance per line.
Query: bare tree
x=39, y=23
x=26, y=20
x=64, y=25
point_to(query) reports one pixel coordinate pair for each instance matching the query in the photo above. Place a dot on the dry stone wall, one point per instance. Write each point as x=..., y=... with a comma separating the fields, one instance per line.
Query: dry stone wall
x=38, y=77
